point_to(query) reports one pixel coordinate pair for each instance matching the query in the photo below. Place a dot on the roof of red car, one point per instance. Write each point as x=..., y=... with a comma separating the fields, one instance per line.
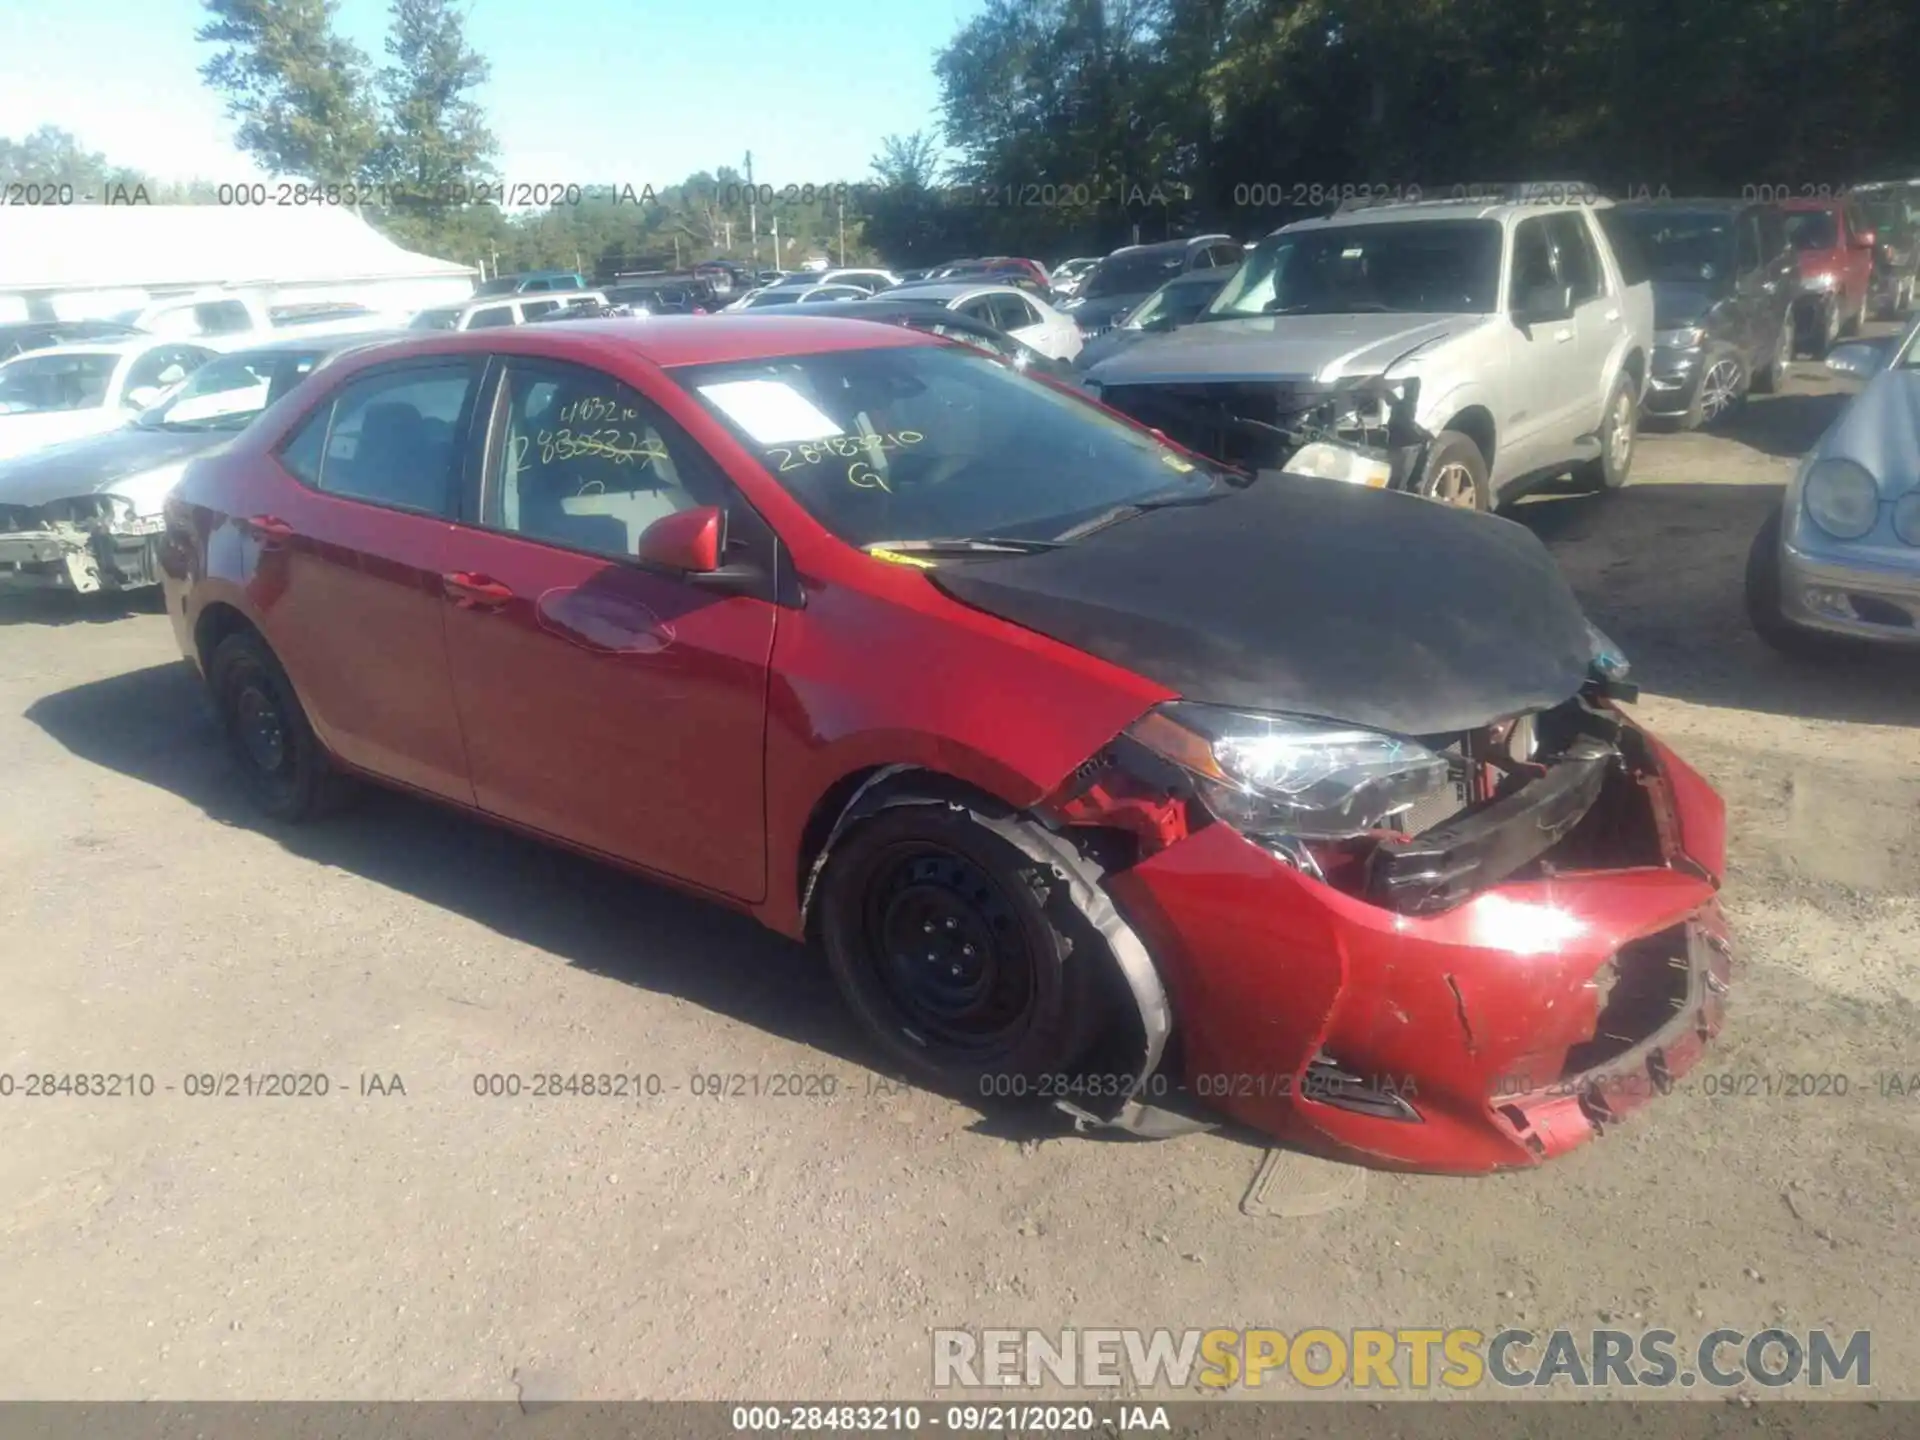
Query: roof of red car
x=668, y=340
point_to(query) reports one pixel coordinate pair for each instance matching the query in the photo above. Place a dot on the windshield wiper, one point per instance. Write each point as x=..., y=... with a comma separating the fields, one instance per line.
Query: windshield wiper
x=966, y=545
x=1131, y=509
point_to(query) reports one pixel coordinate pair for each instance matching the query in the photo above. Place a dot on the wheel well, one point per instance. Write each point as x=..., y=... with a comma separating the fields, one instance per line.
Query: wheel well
x=1476, y=423
x=215, y=624
x=828, y=809
x=1635, y=365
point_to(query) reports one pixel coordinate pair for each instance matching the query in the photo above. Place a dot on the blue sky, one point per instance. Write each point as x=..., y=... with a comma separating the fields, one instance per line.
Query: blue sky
x=583, y=91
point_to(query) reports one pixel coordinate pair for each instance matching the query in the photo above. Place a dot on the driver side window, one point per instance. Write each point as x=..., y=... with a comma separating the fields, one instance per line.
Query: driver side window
x=588, y=463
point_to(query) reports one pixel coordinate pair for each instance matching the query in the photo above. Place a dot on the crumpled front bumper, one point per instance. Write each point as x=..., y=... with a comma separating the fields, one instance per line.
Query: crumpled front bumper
x=1494, y=1035
x=79, y=559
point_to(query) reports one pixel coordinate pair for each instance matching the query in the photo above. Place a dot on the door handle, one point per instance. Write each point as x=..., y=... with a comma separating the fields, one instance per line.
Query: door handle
x=1561, y=337
x=474, y=592
x=270, y=530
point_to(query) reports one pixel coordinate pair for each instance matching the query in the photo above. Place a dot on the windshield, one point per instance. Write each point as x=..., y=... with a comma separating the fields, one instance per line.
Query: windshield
x=1172, y=304
x=226, y=394
x=1434, y=267
x=1133, y=273
x=1680, y=247
x=925, y=442
x=1888, y=213
x=1811, y=229
x=35, y=384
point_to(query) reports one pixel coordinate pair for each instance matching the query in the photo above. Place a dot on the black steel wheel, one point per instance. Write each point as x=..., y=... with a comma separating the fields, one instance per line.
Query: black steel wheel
x=962, y=955
x=286, y=772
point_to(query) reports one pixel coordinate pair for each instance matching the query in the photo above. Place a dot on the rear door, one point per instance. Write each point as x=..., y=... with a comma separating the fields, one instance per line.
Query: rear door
x=1598, y=322
x=348, y=560
x=608, y=704
x=1544, y=363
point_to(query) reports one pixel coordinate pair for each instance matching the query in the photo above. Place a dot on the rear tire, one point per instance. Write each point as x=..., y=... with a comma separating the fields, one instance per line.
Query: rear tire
x=1618, y=432
x=286, y=773
x=1456, y=473
x=962, y=956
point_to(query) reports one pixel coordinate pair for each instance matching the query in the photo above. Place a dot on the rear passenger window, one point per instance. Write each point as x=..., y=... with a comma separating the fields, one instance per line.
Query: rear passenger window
x=492, y=315
x=589, y=463
x=389, y=438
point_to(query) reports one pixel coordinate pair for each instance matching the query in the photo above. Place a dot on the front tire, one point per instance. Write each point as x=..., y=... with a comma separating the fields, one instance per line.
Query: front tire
x=286, y=773
x=1721, y=388
x=1456, y=473
x=1618, y=432
x=963, y=956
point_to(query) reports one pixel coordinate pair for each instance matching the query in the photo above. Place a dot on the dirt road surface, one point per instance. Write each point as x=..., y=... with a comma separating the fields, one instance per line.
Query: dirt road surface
x=442, y=1244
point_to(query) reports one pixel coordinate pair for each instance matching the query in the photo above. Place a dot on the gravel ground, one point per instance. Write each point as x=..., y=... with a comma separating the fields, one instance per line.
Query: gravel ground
x=437, y=1244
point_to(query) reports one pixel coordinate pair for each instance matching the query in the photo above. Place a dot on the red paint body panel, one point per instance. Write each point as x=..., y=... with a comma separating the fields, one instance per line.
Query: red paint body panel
x=620, y=709
x=696, y=735
x=1474, y=1009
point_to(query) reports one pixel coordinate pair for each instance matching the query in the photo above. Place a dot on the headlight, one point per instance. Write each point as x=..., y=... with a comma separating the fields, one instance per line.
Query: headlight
x=1687, y=337
x=1283, y=775
x=1906, y=517
x=1820, y=282
x=1323, y=461
x=1842, y=499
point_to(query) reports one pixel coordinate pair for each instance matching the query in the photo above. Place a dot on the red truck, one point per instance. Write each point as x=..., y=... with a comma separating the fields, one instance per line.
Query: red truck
x=1835, y=245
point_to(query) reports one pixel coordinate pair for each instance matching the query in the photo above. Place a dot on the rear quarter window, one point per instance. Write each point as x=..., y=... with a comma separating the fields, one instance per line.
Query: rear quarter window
x=1627, y=254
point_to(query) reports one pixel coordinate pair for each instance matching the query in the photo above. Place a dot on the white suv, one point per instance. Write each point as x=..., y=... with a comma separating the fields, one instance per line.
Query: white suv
x=1526, y=347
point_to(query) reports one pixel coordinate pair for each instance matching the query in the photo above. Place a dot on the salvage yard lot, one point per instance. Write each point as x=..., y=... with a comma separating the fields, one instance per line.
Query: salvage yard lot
x=444, y=1243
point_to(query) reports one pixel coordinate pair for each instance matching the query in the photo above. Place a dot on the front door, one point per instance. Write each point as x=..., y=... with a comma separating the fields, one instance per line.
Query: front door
x=608, y=704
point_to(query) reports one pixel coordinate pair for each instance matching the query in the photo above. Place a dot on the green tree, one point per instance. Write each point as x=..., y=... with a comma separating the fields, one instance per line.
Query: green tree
x=53, y=156
x=436, y=139
x=299, y=91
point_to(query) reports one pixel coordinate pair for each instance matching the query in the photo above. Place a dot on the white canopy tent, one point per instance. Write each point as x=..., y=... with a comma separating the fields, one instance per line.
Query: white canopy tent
x=96, y=259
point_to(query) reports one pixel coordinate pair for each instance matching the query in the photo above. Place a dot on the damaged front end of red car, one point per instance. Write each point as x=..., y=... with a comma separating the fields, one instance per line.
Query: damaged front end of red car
x=1481, y=981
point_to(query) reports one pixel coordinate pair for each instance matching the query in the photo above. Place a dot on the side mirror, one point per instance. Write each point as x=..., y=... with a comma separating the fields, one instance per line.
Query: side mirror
x=1545, y=304
x=1860, y=358
x=1865, y=239
x=689, y=541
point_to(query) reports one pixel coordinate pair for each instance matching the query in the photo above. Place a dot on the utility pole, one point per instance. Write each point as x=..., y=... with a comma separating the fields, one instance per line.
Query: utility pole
x=776, y=242
x=753, y=219
x=843, y=229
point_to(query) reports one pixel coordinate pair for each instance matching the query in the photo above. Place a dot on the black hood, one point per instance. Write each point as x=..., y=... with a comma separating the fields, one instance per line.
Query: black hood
x=89, y=465
x=1310, y=597
x=1679, y=303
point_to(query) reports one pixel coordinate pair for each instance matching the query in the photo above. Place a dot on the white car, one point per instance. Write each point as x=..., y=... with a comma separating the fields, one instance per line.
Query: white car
x=67, y=391
x=229, y=320
x=1006, y=308
x=1068, y=274
x=502, y=310
x=861, y=282
x=798, y=295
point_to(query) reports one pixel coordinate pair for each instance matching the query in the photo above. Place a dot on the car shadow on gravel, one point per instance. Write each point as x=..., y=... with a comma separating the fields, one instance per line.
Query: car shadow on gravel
x=153, y=725
x=61, y=607
x=1661, y=568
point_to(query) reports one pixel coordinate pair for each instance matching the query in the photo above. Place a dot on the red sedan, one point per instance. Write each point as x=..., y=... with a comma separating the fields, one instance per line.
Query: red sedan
x=1100, y=773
